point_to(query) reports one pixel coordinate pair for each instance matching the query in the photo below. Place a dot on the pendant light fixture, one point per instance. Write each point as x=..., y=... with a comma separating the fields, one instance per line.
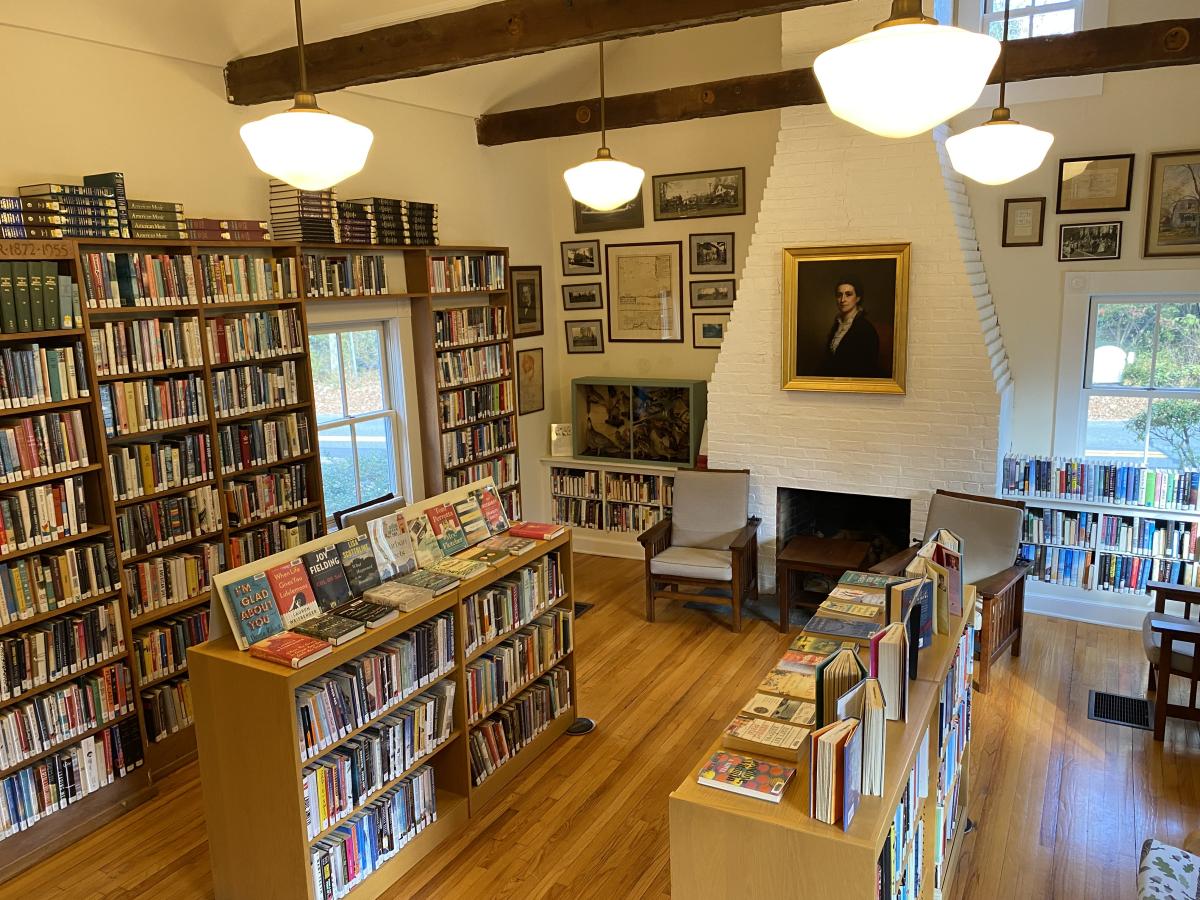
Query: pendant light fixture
x=908, y=75
x=604, y=183
x=306, y=146
x=1001, y=149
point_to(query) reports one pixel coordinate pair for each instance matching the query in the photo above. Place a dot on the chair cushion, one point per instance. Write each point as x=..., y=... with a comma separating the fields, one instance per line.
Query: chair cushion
x=990, y=532
x=694, y=562
x=1167, y=872
x=709, y=508
x=1181, y=651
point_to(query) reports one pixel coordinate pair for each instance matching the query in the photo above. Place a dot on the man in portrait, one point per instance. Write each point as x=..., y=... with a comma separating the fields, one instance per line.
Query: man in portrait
x=852, y=347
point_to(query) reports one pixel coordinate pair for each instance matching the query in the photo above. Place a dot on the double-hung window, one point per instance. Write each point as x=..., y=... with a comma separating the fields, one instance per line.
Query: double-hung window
x=358, y=419
x=1141, y=396
x=1032, y=18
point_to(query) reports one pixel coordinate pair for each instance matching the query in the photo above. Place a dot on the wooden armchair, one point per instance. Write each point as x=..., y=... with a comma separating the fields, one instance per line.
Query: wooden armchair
x=1171, y=643
x=709, y=541
x=990, y=529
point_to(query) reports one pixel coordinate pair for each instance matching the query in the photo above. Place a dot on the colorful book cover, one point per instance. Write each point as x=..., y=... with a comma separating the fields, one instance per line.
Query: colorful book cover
x=434, y=581
x=539, y=531
x=783, y=709
x=252, y=610
x=513, y=546
x=425, y=542
x=293, y=594
x=869, y=579
x=950, y=559
x=810, y=643
x=794, y=684
x=854, y=631
x=746, y=776
x=290, y=649
x=799, y=661
x=460, y=568
x=394, y=553
x=470, y=517
x=446, y=528
x=327, y=577
x=491, y=507
x=358, y=562
x=852, y=775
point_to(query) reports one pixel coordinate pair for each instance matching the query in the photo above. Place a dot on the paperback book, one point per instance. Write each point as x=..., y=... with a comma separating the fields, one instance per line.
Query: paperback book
x=327, y=577
x=425, y=542
x=834, y=779
x=858, y=632
x=358, y=563
x=834, y=676
x=746, y=776
x=458, y=567
x=792, y=684
x=760, y=736
x=290, y=649
x=394, y=553
x=368, y=612
x=332, y=628
x=782, y=709
x=492, y=508
x=470, y=517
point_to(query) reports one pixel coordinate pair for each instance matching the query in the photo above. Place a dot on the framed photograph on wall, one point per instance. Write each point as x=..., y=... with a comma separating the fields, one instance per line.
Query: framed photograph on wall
x=531, y=383
x=581, y=257
x=1089, y=240
x=713, y=294
x=1091, y=184
x=645, y=292
x=699, y=195
x=629, y=215
x=845, y=318
x=583, y=296
x=585, y=336
x=1024, y=222
x=708, y=330
x=710, y=254
x=527, y=301
x=1173, y=205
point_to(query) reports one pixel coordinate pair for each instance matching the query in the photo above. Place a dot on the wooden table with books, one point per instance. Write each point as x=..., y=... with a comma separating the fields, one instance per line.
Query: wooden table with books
x=724, y=845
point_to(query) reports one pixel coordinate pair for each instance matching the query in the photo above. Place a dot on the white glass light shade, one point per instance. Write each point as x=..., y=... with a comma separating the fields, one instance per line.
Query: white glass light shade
x=308, y=148
x=905, y=79
x=998, y=152
x=604, y=183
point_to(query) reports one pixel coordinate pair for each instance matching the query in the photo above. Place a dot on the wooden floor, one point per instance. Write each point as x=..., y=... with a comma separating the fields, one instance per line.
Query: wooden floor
x=1062, y=803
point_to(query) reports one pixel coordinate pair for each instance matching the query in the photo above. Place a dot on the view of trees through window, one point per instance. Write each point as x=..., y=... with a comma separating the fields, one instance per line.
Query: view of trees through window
x=1032, y=18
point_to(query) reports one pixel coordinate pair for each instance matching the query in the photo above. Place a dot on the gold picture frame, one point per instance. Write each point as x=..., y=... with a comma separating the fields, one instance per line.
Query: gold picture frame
x=824, y=288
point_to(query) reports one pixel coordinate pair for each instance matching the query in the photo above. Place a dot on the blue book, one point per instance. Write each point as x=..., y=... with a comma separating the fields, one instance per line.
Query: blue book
x=252, y=610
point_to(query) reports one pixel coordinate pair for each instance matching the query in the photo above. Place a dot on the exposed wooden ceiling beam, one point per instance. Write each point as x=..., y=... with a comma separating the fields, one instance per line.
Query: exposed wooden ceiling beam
x=482, y=34
x=1119, y=49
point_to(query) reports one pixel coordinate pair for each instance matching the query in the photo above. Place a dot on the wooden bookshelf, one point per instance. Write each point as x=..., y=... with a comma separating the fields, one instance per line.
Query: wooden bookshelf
x=249, y=736
x=726, y=845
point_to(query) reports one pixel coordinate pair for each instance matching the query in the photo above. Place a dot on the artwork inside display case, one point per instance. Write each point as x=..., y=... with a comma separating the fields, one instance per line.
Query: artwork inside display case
x=661, y=424
x=604, y=426
x=651, y=420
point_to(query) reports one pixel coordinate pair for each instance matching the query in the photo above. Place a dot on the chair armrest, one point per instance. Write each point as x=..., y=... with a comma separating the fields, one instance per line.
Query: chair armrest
x=1186, y=631
x=897, y=562
x=1191, y=843
x=1166, y=590
x=656, y=533
x=1002, y=580
x=748, y=533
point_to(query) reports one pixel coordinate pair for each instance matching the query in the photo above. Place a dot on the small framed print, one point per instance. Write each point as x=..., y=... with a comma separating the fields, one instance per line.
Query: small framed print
x=581, y=257
x=708, y=330
x=710, y=254
x=1090, y=240
x=531, y=384
x=626, y=216
x=583, y=296
x=1024, y=222
x=1173, y=205
x=585, y=336
x=713, y=294
x=699, y=195
x=527, y=301
x=1091, y=184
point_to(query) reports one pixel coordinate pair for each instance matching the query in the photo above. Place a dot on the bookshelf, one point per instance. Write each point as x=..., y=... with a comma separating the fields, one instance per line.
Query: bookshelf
x=250, y=735
x=726, y=845
x=609, y=503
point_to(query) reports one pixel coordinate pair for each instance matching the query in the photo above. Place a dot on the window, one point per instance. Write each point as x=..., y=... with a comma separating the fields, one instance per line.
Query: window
x=358, y=427
x=1141, y=397
x=1032, y=18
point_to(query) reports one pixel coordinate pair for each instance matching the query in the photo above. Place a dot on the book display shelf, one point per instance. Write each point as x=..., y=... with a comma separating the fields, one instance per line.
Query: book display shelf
x=609, y=503
x=1096, y=532
x=726, y=845
x=258, y=749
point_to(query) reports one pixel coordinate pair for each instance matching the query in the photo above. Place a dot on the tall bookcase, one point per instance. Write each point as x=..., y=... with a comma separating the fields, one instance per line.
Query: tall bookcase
x=251, y=735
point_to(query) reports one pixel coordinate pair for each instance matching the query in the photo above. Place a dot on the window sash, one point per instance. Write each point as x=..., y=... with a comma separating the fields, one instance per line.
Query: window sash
x=1028, y=12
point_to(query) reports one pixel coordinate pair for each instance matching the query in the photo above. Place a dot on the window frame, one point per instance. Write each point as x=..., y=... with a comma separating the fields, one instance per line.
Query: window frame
x=391, y=410
x=1028, y=12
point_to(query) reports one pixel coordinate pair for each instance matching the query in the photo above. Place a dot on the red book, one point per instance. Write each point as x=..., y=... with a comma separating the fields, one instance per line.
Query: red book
x=290, y=649
x=293, y=593
x=538, y=531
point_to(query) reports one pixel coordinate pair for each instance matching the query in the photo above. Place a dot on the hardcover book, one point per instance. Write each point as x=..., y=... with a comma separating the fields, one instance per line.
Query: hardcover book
x=290, y=649
x=827, y=773
x=253, y=614
x=394, y=553
x=753, y=735
x=443, y=522
x=491, y=507
x=327, y=577
x=425, y=543
x=859, y=632
x=513, y=546
x=358, y=562
x=810, y=643
x=404, y=597
x=792, y=684
x=470, y=517
x=783, y=709
x=334, y=629
x=458, y=567
x=368, y=612
x=746, y=776
x=538, y=531
x=836, y=675
x=488, y=556
x=437, y=582
x=293, y=594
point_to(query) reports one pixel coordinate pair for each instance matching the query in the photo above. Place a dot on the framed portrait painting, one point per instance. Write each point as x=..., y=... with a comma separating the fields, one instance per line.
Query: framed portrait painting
x=845, y=318
x=531, y=384
x=1173, y=205
x=645, y=292
x=527, y=301
x=699, y=195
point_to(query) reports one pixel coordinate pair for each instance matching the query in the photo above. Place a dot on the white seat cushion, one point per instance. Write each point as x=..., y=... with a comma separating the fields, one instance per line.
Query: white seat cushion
x=694, y=562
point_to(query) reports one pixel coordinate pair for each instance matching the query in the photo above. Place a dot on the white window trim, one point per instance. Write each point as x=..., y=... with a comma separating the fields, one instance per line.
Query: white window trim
x=1079, y=290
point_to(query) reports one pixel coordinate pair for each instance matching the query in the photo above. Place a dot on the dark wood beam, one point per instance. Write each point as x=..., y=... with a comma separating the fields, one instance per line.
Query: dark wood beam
x=1120, y=49
x=483, y=34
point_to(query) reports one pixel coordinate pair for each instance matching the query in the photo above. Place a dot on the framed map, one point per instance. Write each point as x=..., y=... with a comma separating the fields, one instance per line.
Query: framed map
x=645, y=292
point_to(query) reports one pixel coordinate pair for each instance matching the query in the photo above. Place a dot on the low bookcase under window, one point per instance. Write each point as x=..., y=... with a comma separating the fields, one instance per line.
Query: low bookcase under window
x=479, y=682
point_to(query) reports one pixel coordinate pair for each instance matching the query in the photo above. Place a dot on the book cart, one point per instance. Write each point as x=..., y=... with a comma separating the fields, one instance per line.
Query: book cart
x=249, y=737
x=725, y=846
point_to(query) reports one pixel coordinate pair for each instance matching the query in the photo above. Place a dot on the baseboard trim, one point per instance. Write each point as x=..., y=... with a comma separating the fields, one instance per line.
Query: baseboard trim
x=1093, y=612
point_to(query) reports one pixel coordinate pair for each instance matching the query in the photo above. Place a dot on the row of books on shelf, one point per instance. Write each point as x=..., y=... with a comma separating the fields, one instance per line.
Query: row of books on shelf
x=67, y=711
x=260, y=442
x=160, y=523
x=1056, y=526
x=255, y=388
x=578, y=513
x=56, y=581
x=161, y=582
x=513, y=601
x=120, y=279
x=473, y=441
x=252, y=497
x=954, y=735
x=160, y=649
x=140, y=469
x=637, y=488
x=462, y=367
x=1058, y=565
x=254, y=335
x=1095, y=481
x=580, y=483
x=33, y=516
x=274, y=537
x=469, y=325
x=68, y=776
x=151, y=404
x=507, y=731
x=318, y=216
x=496, y=675
x=59, y=647
x=632, y=519
x=482, y=401
x=130, y=346
x=34, y=446
x=1130, y=574
x=460, y=272
x=503, y=470
x=167, y=709
x=900, y=872
x=50, y=211
x=354, y=275
x=35, y=296
x=1128, y=534
x=36, y=374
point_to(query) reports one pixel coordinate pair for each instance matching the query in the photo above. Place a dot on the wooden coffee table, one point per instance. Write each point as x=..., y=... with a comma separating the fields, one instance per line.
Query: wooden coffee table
x=827, y=556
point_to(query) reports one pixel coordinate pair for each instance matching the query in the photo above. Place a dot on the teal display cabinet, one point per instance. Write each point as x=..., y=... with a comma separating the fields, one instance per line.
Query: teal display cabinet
x=647, y=420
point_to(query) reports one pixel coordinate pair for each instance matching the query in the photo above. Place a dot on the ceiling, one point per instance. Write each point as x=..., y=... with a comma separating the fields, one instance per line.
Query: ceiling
x=212, y=32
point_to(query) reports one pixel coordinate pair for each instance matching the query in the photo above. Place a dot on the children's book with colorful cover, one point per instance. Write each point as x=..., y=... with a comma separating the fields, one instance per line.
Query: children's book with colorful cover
x=293, y=594
x=394, y=554
x=253, y=615
x=746, y=776
x=443, y=522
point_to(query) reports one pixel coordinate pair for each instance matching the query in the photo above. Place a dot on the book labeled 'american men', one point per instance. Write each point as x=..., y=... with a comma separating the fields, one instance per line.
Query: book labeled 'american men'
x=744, y=775
x=293, y=594
x=252, y=610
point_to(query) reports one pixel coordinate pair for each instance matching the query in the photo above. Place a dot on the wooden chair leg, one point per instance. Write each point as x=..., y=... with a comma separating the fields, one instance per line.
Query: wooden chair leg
x=649, y=598
x=983, y=673
x=1161, y=699
x=1018, y=615
x=1150, y=688
x=736, y=600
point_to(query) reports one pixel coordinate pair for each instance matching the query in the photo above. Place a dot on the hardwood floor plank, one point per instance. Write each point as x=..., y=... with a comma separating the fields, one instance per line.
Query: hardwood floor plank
x=1062, y=803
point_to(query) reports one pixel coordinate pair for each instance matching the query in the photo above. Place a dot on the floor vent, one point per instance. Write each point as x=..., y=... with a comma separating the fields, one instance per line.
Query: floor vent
x=1117, y=710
